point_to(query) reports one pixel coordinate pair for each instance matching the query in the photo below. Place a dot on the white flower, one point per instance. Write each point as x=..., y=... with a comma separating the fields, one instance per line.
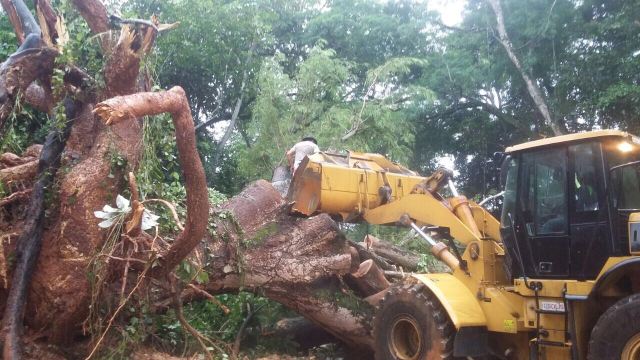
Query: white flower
x=112, y=215
x=122, y=203
x=107, y=223
x=149, y=220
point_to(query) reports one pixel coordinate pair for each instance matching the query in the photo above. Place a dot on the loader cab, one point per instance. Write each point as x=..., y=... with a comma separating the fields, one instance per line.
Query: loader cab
x=567, y=203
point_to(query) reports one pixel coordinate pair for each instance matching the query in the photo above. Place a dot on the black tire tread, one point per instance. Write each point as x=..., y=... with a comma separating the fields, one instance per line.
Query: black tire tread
x=443, y=323
x=614, y=328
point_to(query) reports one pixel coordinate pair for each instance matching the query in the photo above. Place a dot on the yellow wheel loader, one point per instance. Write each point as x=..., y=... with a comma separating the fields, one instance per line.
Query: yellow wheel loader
x=558, y=277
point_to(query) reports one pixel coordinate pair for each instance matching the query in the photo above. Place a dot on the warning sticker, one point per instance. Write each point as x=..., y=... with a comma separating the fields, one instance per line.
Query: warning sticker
x=510, y=325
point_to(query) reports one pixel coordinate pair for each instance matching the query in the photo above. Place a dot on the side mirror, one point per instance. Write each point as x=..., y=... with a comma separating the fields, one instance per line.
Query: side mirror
x=498, y=157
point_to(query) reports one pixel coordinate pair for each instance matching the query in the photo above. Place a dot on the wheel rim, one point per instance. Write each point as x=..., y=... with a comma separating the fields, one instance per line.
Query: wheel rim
x=404, y=338
x=631, y=350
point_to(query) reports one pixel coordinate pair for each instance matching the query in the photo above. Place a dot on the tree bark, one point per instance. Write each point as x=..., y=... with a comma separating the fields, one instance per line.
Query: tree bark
x=532, y=87
x=94, y=13
x=174, y=102
x=48, y=20
x=369, y=279
x=30, y=240
x=255, y=245
x=60, y=291
x=14, y=19
x=297, y=262
x=260, y=247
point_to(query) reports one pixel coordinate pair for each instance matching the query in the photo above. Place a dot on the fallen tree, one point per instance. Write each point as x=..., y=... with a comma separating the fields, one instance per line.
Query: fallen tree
x=255, y=244
x=85, y=274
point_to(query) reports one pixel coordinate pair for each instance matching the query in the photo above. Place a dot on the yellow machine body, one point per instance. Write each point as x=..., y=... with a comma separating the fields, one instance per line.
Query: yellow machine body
x=347, y=185
x=456, y=298
x=368, y=187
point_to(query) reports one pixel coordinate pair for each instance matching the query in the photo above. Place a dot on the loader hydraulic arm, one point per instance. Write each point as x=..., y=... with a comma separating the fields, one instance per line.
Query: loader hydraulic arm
x=368, y=187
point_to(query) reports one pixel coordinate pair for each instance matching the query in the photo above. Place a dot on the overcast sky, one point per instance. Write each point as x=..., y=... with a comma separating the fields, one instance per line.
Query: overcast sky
x=451, y=10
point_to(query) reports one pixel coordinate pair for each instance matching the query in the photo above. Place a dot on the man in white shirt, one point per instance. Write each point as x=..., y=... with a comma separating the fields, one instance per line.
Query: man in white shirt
x=307, y=146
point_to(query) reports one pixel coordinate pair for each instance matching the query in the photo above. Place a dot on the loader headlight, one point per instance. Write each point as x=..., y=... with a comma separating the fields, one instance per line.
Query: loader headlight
x=625, y=147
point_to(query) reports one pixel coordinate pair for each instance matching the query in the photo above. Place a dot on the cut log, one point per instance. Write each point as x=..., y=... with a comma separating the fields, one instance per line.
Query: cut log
x=252, y=243
x=369, y=279
x=366, y=254
x=395, y=254
x=256, y=245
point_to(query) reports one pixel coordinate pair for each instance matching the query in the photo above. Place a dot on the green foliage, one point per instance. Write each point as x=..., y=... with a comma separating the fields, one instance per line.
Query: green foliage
x=318, y=101
x=159, y=175
x=8, y=42
x=23, y=127
x=210, y=320
x=573, y=49
x=83, y=48
x=26, y=126
x=428, y=263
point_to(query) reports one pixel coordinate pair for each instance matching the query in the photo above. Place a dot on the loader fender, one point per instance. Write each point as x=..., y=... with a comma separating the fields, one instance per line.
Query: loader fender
x=615, y=270
x=460, y=303
x=472, y=337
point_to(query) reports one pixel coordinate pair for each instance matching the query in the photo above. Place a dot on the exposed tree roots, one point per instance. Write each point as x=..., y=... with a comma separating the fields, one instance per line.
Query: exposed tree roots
x=175, y=102
x=30, y=240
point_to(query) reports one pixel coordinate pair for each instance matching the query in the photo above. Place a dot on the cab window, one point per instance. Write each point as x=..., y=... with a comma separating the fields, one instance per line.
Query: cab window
x=544, y=197
x=585, y=180
x=625, y=180
x=509, y=203
x=626, y=183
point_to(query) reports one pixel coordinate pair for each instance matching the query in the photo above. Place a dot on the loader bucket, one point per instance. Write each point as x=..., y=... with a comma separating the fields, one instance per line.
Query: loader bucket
x=347, y=185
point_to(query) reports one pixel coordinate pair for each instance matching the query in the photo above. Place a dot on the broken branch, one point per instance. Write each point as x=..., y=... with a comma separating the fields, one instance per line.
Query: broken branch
x=15, y=197
x=19, y=172
x=173, y=101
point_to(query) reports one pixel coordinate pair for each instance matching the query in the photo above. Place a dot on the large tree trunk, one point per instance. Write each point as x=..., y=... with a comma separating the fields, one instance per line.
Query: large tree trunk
x=297, y=262
x=260, y=247
x=30, y=240
x=252, y=244
x=60, y=291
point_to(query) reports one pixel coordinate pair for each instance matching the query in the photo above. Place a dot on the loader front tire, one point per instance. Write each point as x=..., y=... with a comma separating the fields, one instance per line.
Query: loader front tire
x=617, y=332
x=411, y=324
